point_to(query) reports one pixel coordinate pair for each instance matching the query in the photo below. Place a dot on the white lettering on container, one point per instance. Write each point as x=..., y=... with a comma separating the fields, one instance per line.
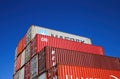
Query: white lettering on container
x=53, y=58
x=68, y=38
x=112, y=76
x=44, y=39
x=81, y=77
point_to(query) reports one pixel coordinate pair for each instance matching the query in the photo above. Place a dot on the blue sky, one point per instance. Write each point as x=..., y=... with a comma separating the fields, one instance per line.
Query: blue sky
x=96, y=19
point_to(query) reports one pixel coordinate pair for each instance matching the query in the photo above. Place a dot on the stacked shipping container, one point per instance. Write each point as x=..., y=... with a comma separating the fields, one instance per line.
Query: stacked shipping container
x=78, y=72
x=49, y=57
x=69, y=57
x=40, y=41
x=49, y=32
x=31, y=33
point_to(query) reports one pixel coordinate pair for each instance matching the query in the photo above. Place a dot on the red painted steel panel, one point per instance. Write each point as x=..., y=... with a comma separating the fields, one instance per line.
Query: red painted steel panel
x=82, y=73
x=50, y=56
x=24, y=42
x=21, y=45
x=27, y=71
x=40, y=41
x=18, y=62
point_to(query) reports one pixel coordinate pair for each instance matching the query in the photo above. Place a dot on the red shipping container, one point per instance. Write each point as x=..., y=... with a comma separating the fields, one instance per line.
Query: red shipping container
x=24, y=42
x=27, y=71
x=21, y=45
x=78, y=72
x=40, y=41
x=50, y=56
x=18, y=63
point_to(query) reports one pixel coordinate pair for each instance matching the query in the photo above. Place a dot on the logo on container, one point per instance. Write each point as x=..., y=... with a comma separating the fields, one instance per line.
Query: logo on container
x=43, y=32
x=71, y=77
x=53, y=58
x=114, y=77
x=44, y=39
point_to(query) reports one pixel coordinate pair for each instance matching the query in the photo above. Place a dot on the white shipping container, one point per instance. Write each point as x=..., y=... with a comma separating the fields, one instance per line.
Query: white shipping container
x=23, y=58
x=49, y=32
x=34, y=67
x=17, y=75
x=43, y=76
x=21, y=74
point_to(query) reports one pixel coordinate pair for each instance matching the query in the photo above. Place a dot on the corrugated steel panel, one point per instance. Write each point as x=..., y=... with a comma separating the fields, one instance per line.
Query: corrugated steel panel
x=41, y=61
x=33, y=47
x=18, y=62
x=27, y=53
x=27, y=71
x=21, y=73
x=77, y=72
x=50, y=56
x=49, y=32
x=17, y=75
x=43, y=76
x=21, y=45
x=23, y=58
x=41, y=41
x=24, y=42
x=34, y=67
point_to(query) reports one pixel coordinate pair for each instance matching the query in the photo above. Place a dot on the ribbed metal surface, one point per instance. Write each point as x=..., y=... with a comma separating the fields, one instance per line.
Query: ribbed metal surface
x=23, y=58
x=33, y=30
x=34, y=67
x=27, y=71
x=21, y=45
x=51, y=56
x=42, y=41
x=78, y=72
x=27, y=53
x=18, y=63
x=64, y=59
x=21, y=73
x=43, y=76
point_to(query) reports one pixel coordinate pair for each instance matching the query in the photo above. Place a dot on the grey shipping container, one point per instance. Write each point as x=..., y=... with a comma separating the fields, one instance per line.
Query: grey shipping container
x=34, y=67
x=27, y=53
x=43, y=76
